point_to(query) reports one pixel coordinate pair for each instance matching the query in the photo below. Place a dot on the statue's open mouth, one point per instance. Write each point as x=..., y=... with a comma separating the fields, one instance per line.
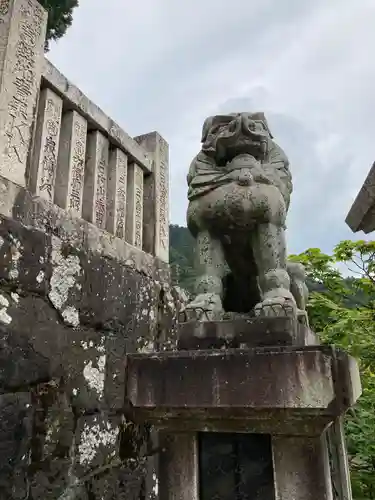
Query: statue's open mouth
x=226, y=153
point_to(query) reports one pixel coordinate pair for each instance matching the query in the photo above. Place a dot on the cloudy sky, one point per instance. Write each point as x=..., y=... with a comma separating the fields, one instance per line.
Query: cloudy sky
x=166, y=65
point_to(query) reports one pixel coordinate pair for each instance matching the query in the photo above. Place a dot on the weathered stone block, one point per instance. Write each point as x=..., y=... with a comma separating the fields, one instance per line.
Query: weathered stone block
x=134, y=206
x=90, y=362
x=24, y=256
x=117, y=185
x=117, y=346
x=39, y=329
x=123, y=483
x=46, y=145
x=129, y=298
x=22, y=34
x=71, y=163
x=52, y=481
x=94, y=207
x=261, y=390
x=21, y=365
x=156, y=196
x=301, y=468
x=243, y=331
x=15, y=439
x=179, y=467
x=53, y=431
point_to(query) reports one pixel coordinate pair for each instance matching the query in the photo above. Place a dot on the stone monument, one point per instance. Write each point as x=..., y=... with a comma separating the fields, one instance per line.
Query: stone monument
x=250, y=405
x=239, y=194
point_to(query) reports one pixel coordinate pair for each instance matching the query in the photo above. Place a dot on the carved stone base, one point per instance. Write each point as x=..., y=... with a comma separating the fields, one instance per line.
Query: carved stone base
x=242, y=331
x=280, y=390
x=280, y=383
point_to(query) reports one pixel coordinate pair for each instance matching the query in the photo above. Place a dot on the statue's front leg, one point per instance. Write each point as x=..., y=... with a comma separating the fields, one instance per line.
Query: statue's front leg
x=207, y=305
x=274, y=282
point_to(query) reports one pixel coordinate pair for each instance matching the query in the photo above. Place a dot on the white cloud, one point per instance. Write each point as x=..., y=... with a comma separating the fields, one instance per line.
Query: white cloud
x=166, y=65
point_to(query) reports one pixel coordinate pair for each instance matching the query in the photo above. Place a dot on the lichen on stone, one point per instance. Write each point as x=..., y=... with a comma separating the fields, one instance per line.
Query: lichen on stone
x=71, y=316
x=40, y=276
x=94, y=436
x=15, y=249
x=65, y=272
x=95, y=377
x=4, y=316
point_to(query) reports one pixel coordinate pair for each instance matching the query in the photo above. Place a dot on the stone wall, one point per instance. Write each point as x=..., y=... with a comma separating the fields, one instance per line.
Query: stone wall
x=63, y=148
x=71, y=307
x=84, y=280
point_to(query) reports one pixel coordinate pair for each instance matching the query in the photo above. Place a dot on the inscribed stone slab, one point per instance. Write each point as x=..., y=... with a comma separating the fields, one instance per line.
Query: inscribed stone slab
x=71, y=163
x=117, y=182
x=156, y=196
x=46, y=144
x=134, y=206
x=95, y=186
x=22, y=36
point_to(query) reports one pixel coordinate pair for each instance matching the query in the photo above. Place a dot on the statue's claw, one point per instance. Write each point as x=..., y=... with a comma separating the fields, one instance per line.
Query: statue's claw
x=276, y=305
x=205, y=307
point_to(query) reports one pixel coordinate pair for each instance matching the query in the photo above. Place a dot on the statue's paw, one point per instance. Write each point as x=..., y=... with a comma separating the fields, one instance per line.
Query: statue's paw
x=205, y=307
x=274, y=307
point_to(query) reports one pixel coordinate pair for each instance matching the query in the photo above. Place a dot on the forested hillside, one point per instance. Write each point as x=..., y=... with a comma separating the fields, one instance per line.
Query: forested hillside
x=181, y=257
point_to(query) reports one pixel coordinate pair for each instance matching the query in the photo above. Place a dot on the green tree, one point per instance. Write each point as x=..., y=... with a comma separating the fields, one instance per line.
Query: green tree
x=60, y=17
x=343, y=312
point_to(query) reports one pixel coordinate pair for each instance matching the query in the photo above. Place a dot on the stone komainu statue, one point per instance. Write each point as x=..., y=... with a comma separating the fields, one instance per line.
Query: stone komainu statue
x=239, y=188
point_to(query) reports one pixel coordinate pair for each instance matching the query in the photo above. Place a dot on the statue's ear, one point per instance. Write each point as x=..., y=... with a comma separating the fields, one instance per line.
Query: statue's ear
x=259, y=115
x=206, y=128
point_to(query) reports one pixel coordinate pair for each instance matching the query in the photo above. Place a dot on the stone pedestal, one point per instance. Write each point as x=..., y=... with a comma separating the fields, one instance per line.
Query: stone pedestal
x=292, y=393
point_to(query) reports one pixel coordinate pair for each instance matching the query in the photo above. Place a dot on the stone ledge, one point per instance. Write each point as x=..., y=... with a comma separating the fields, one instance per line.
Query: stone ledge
x=286, y=388
x=361, y=216
x=93, y=113
x=33, y=212
x=252, y=332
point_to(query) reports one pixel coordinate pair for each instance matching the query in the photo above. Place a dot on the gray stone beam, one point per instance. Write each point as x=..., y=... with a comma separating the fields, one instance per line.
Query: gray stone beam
x=361, y=216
